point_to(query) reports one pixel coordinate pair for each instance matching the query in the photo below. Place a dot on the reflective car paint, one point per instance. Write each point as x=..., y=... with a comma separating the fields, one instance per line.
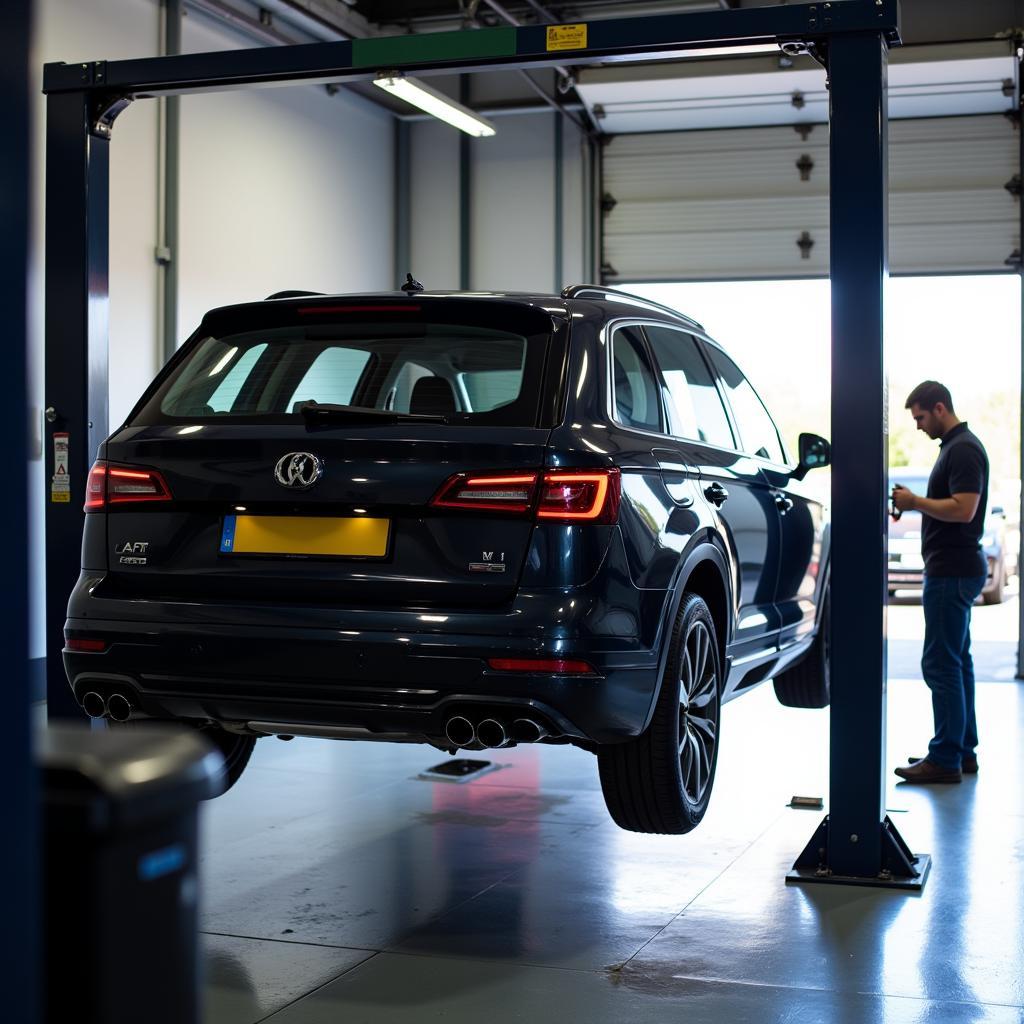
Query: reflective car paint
x=390, y=647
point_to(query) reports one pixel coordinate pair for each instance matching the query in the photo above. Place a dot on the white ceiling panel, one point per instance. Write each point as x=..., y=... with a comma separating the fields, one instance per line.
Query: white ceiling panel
x=728, y=93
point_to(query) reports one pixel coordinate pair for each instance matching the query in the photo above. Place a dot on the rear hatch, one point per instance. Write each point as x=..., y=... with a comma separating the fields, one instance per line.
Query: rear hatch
x=292, y=452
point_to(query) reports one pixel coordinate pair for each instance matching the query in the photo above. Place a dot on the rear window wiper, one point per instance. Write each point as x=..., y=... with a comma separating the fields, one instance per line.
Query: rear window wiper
x=317, y=412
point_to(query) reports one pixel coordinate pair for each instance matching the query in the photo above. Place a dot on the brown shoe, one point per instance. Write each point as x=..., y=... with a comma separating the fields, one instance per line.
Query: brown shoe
x=969, y=765
x=928, y=771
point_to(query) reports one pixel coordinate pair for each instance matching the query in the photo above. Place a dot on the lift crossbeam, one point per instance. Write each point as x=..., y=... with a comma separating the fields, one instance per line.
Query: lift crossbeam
x=481, y=50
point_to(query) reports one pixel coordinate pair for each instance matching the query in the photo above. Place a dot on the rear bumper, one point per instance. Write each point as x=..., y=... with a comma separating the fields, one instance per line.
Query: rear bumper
x=390, y=674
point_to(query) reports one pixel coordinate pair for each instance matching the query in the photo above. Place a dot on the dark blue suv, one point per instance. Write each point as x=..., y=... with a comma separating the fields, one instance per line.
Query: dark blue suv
x=468, y=520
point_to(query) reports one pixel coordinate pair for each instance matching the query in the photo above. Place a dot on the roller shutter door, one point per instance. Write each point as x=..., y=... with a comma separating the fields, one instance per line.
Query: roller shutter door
x=753, y=202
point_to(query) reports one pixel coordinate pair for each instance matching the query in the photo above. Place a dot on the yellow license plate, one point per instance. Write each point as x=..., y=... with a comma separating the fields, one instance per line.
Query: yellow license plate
x=305, y=535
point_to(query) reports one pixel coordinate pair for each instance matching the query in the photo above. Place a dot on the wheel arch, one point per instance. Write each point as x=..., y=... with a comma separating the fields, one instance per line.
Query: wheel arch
x=703, y=570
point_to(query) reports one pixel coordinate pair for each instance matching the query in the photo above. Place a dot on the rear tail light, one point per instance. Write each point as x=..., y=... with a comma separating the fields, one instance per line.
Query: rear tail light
x=570, y=497
x=509, y=493
x=85, y=643
x=121, y=485
x=554, y=666
x=558, y=495
x=96, y=487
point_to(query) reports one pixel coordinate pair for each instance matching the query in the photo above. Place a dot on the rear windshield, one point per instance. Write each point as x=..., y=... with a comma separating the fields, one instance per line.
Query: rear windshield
x=467, y=373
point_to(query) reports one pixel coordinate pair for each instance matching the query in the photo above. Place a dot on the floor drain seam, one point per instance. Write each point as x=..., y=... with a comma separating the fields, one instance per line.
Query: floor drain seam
x=289, y=942
x=739, y=856
x=313, y=991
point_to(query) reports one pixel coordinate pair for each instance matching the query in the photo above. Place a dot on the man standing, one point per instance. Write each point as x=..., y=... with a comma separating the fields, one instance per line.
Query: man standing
x=955, y=569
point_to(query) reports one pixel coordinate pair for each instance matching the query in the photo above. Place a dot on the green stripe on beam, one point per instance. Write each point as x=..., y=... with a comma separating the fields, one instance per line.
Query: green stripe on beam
x=387, y=52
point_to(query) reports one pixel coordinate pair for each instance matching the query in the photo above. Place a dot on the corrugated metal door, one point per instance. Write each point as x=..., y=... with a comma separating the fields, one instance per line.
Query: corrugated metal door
x=753, y=202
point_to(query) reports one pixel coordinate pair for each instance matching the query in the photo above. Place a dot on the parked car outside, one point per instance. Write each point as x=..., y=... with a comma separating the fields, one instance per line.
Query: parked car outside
x=906, y=565
x=469, y=521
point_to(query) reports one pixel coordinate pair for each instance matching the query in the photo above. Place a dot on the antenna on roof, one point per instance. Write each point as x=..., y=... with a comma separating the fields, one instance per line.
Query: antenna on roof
x=411, y=286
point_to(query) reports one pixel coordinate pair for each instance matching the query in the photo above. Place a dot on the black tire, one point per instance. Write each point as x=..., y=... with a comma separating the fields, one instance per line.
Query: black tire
x=661, y=781
x=235, y=748
x=806, y=684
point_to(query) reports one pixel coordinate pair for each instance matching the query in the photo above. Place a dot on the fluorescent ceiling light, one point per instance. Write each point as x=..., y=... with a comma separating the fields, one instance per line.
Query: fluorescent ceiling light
x=733, y=51
x=436, y=103
x=696, y=53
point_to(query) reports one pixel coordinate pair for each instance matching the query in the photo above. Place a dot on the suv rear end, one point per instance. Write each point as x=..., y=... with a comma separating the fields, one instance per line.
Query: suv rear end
x=342, y=517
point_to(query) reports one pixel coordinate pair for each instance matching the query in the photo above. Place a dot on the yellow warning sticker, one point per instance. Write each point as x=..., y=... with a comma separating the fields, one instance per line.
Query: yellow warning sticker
x=60, y=497
x=567, y=37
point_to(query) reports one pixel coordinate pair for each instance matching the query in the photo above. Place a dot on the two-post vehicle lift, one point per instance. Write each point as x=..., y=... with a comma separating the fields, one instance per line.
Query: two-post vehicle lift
x=855, y=843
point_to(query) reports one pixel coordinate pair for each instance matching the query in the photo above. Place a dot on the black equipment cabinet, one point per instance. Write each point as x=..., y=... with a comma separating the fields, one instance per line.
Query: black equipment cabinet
x=121, y=851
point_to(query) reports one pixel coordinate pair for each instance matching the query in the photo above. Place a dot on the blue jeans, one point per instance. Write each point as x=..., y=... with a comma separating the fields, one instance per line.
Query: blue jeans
x=947, y=666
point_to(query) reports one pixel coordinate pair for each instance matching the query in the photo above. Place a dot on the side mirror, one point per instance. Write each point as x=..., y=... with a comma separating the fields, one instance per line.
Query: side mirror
x=815, y=452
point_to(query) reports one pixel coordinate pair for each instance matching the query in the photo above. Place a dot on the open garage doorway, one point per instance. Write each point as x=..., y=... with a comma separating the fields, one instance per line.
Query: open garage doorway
x=963, y=331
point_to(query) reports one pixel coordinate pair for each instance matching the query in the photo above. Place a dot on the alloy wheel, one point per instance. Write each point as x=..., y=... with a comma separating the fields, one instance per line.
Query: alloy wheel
x=698, y=712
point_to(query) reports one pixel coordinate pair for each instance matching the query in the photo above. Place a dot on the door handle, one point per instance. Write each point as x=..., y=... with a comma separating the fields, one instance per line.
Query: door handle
x=716, y=494
x=783, y=503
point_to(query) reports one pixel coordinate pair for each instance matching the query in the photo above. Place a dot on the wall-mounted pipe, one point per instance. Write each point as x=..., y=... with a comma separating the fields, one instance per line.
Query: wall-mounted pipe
x=465, y=195
x=168, y=191
x=403, y=200
x=559, y=147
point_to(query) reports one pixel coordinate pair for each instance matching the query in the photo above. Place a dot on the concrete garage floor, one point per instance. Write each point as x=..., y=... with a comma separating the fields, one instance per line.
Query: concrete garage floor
x=338, y=888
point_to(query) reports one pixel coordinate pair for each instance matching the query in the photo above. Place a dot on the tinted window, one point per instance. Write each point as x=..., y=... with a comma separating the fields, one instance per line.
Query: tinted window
x=634, y=391
x=490, y=389
x=694, y=406
x=332, y=377
x=757, y=431
x=478, y=373
x=236, y=369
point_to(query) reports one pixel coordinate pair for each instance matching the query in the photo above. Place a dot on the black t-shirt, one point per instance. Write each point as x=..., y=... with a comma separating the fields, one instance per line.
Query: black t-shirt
x=954, y=549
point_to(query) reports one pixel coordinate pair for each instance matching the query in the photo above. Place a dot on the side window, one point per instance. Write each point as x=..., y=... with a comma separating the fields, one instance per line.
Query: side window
x=332, y=378
x=634, y=390
x=758, y=434
x=694, y=406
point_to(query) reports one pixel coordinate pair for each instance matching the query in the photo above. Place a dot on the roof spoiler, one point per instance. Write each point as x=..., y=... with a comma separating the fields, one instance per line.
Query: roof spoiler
x=292, y=294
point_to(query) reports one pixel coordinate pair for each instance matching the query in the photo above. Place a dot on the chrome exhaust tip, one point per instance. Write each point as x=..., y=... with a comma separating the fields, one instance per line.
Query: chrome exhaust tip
x=526, y=730
x=94, y=705
x=491, y=733
x=119, y=708
x=459, y=731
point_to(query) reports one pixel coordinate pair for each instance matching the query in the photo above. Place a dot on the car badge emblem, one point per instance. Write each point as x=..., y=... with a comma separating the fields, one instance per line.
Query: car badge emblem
x=298, y=470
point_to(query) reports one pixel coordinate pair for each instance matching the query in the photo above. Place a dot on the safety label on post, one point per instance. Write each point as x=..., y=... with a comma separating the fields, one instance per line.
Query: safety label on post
x=567, y=37
x=60, y=483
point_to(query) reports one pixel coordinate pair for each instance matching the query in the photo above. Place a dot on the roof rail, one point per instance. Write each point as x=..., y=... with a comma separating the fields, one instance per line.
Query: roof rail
x=291, y=293
x=582, y=291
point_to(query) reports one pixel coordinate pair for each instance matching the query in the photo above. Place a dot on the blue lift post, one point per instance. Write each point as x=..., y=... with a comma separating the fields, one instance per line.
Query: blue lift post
x=19, y=850
x=856, y=843
x=847, y=846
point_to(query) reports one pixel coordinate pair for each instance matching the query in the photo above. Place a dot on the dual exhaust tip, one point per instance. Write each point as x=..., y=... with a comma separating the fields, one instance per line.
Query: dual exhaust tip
x=116, y=707
x=492, y=733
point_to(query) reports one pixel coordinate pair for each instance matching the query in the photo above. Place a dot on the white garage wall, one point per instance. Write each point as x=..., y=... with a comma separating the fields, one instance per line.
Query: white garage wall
x=281, y=188
x=513, y=206
x=434, y=203
x=512, y=242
